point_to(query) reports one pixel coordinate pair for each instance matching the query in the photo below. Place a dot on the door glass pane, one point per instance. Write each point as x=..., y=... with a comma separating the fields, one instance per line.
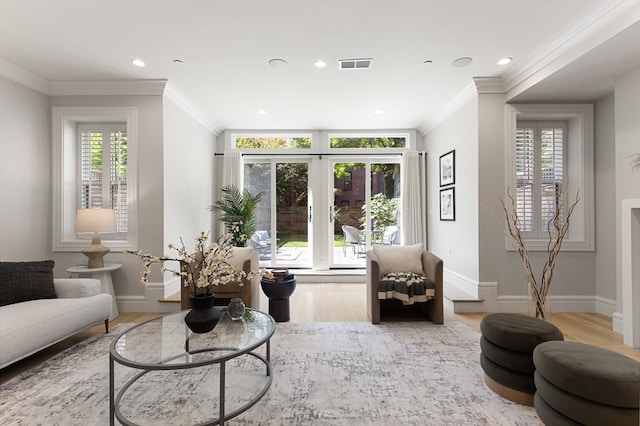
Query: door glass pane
x=292, y=214
x=257, y=178
x=282, y=216
x=349, y=195
x=385, y=202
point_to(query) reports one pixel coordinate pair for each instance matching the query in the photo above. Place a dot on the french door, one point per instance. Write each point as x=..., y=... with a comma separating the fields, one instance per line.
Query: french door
x=365, y=200
x=360, y=193
x=283, y=216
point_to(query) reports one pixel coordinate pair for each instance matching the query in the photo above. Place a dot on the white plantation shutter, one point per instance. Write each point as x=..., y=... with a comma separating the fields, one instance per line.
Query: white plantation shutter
x=525, y=176
x=118, y=177
x=103, y=170
x=540, y=157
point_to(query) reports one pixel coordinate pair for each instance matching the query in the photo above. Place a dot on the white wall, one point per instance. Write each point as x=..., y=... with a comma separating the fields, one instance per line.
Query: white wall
x=455, y=242
x=25, y=173
x=605, y=177
x=627, y=145
x=188, y=176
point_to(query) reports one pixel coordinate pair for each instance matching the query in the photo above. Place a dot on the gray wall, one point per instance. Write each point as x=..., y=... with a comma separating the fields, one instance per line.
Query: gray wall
x=605, y=180
x=174, y=182
x=627, y=124
x=25, y=173
x=150, y=190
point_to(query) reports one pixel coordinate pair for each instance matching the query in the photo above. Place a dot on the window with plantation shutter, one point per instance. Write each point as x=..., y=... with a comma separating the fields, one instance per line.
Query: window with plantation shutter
x=549, y=150
x=94, y=160
x=540, y=167
x=103, y=171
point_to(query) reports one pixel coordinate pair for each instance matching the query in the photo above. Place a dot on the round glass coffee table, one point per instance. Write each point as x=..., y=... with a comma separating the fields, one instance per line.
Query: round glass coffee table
x=165, y=343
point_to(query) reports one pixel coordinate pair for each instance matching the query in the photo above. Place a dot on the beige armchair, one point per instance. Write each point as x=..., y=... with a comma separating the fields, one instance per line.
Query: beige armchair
x=244, y=258
x=377, y=266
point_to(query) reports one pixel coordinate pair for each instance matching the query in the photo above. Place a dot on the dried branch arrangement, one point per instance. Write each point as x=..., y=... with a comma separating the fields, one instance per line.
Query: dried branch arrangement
x=557, y=229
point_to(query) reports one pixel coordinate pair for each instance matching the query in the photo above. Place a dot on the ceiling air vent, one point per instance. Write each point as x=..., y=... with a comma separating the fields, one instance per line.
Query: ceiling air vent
x=355, y=64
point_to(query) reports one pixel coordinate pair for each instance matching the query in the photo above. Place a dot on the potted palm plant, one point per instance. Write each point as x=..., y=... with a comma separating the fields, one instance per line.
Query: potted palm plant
x=238, y=213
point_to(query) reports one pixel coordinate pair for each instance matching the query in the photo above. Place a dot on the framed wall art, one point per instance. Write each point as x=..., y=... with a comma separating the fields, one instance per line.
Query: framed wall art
x=448, y=168
x=448, y=204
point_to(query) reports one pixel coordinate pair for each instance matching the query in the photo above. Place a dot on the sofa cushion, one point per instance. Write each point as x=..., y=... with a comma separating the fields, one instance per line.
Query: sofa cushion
x=23, y=281
x=399, y=258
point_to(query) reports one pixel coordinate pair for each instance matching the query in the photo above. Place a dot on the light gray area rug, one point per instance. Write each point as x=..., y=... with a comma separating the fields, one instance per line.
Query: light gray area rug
x=402, y=373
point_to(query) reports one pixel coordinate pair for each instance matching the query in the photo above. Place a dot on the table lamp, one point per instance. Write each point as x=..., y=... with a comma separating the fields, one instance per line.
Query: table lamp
x=96, y=222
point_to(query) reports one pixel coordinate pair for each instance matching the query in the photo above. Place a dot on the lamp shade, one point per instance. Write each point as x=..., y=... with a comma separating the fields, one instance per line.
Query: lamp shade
x=89, y=221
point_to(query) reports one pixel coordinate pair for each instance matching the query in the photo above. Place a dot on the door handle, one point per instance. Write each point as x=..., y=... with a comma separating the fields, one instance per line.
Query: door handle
x=310, y=214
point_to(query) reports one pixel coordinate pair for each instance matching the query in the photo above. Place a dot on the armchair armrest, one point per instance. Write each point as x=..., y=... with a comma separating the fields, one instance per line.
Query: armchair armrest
x=373, y=280
x=76, y=287
x=433, y=269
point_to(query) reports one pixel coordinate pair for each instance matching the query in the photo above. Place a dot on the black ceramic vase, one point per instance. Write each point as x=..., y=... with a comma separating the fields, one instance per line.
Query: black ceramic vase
x=203, y=317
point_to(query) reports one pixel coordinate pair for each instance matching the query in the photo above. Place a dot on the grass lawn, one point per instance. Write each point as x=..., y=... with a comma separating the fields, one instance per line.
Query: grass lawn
x=292, y=240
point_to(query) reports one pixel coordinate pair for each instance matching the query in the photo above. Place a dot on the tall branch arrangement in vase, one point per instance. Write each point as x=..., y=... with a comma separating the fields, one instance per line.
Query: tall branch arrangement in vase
x=557, y=229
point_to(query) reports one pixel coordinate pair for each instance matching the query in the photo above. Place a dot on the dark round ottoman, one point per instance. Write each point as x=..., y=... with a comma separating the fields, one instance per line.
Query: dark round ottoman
x=507, y=345
x=583, y=384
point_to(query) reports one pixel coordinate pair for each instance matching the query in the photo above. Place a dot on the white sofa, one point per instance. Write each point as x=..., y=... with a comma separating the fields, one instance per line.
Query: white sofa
x=27, y=327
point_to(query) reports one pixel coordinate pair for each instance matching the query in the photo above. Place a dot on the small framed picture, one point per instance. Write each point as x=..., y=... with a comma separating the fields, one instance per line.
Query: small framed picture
x=448, y=204
x=448, y=168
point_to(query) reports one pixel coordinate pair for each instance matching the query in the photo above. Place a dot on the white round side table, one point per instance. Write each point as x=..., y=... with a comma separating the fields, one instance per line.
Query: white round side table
x=104, y=276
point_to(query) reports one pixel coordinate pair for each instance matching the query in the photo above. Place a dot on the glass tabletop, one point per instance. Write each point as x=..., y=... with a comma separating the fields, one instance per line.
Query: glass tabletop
x=167, y=343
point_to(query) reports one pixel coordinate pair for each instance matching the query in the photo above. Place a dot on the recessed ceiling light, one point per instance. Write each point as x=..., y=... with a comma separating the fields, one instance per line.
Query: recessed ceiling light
x=320, y=63
x=277, y=63
x=427, y=62
x=262, y=112
x=137, y=62
x=461, y=62
x=178, y=61
x=504, y=61
x=377, y=112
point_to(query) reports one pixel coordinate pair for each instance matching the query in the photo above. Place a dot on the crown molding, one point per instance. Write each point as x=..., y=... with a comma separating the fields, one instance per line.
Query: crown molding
x=604, y=21
x=108, y=87
x=24, y=77
x=179, y=98
x=464, y=96
x=489, y=85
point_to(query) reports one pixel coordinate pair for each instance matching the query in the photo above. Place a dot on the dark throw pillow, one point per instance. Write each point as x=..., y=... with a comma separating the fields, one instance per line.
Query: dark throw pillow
x=22, y=281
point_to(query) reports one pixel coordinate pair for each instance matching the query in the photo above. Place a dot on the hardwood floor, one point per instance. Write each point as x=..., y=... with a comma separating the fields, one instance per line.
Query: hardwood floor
x=347, y=303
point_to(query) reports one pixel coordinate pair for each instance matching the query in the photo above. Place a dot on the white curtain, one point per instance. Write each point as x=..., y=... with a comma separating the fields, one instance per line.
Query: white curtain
x=231, y=175
x=413, y=189
x=232, y=169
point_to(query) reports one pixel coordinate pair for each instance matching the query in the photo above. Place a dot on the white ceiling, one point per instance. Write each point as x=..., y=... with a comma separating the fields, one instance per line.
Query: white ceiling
x=225, y=46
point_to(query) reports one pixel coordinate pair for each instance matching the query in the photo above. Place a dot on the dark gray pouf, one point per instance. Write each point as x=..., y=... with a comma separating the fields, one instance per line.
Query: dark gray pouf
x=507, y=345
x=549, y=416
x=587, y=384
x=518, y=332
x=509, y=378
x=582, y=410
x=516, y=361
x=590, y=372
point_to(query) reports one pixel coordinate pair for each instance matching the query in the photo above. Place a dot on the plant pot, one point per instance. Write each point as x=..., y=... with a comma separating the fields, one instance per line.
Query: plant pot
x=204, y=316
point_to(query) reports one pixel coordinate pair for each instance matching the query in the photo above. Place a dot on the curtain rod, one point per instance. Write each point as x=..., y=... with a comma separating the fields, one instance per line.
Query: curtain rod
x=217, y=154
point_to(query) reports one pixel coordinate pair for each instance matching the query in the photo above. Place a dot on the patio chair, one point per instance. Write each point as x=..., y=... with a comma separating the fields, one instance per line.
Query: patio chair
x=353, y=236
x=261, y=241
x=390, y=235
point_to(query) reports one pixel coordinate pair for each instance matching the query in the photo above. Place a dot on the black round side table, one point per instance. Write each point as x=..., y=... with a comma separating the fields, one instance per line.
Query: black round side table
x=278, y=290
